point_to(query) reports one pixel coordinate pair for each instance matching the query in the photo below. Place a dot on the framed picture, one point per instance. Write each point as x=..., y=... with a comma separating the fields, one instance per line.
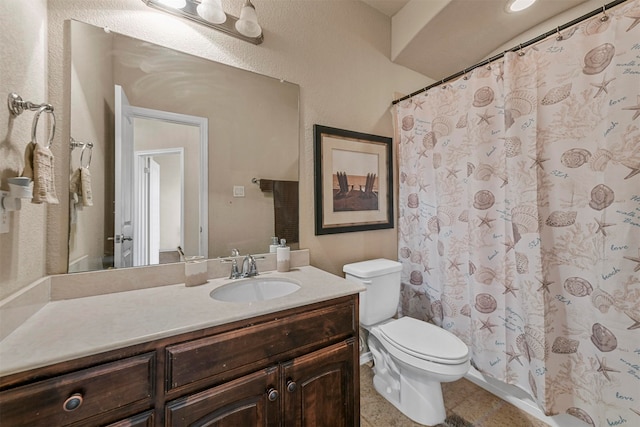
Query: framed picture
x=353, y=181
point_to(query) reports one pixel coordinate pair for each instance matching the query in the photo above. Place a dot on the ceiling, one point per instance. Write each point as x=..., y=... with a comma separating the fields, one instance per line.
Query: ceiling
x=439, y=38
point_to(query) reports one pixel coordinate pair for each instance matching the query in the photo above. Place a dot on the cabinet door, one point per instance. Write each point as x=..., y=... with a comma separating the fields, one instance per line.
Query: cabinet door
x=252, y=400
x=320, y=388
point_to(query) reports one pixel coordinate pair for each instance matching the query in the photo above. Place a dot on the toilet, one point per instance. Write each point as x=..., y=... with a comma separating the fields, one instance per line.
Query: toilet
x=411, y=357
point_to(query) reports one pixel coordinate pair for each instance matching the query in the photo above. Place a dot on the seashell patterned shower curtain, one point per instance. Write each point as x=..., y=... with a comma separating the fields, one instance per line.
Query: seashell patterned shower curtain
x=519, y=216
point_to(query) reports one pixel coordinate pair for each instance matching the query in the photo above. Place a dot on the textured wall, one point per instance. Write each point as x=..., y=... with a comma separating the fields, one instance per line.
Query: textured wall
x=23, y=69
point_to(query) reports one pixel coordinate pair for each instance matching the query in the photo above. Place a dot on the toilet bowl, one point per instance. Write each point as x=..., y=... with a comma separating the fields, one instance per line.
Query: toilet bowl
x=411, y=357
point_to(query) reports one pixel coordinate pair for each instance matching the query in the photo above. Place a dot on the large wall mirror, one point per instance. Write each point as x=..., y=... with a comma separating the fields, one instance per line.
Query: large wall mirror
x=176, y=150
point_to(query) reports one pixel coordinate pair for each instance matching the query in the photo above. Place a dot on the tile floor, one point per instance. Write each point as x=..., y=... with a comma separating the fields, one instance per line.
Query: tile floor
x=462, y=398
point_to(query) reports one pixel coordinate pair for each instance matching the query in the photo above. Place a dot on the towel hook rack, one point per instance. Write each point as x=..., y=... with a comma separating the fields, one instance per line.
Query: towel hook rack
x=17, y=106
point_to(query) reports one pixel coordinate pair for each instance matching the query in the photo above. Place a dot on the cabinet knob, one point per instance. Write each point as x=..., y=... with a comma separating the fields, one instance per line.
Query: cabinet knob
x=272, y=394
x=291, y=386
x=73, y=402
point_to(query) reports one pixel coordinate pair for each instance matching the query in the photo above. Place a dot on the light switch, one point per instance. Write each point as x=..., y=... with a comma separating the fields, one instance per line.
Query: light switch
x=238, y=191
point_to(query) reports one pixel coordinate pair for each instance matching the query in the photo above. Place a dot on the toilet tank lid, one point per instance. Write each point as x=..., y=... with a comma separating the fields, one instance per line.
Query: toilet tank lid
x=372, y=268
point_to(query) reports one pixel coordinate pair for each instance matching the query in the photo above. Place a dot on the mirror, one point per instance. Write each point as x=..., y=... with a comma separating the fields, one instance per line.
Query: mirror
x=241, y=127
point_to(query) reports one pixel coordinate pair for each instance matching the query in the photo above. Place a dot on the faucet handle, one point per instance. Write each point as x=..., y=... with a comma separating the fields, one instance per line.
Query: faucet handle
x=235, y=273
x=235, y=252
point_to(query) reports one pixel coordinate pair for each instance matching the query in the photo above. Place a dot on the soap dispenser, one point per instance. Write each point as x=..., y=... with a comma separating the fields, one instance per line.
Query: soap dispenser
x=274, y=245
x=283, y=256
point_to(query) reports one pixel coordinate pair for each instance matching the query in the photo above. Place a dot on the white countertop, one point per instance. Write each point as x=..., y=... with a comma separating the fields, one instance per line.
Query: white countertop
x=69, y=329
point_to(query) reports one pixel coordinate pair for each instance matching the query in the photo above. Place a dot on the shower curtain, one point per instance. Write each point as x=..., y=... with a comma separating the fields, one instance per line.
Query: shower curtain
x=519, y=217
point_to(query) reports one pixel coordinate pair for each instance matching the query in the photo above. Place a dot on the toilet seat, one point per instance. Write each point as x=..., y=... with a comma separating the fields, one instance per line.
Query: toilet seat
x=425, y=341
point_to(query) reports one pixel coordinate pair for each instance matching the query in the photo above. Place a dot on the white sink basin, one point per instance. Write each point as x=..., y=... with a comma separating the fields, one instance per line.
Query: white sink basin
x=255, y=289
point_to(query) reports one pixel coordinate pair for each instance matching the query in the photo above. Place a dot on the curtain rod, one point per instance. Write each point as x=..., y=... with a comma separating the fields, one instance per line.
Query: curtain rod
x=513, y=49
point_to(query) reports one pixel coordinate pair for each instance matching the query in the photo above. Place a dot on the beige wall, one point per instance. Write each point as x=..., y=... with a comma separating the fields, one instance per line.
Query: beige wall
x=23, y=69
x=337, y=51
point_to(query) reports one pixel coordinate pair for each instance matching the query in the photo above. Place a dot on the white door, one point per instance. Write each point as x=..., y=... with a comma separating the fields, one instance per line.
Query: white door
x=154, y=212
x=123, y=224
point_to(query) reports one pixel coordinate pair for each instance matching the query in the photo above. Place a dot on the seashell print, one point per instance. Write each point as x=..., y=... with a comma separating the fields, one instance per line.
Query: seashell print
x=405, y=252
x=516, y=234
x=416, y=258
x=526, y=218
x=598, y=58
x=407, y=123
x=449, y=307
x=464, y=216
x=601, y=197
x=437, y=160
x=522, y=263
x=403, y=177
x=531, y=343
x=508, y=118
x=429, y=140
x=462, y=122
x=557, y=94
x=416, y=278
x=483, y=172
x=441, y=126
x=483, y=200
x=563, y=345
x=519, y=103
x=577, y=286
x=603, y=338
x=595, y=26
x=485, y=275
x=440, y=248
x=512, y=146
x=600, y=159
x=575, y=157
x=470, y=168
x=485, y=303
x=446, y=216
x=436, y=309
x=433, y=224
x=413, y=201
x=532, y=384
x=411, y=180
x=561, y=218
x=602, y=300
x=472, y=268
x=581, y=414
x=466, y=310
x=483, y=97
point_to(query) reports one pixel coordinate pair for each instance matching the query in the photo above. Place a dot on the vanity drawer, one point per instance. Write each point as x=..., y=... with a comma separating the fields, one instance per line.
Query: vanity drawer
x=79, y=395
x=227, y=355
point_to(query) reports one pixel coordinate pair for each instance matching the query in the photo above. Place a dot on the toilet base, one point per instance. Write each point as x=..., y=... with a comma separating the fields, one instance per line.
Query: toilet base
x=421, y=401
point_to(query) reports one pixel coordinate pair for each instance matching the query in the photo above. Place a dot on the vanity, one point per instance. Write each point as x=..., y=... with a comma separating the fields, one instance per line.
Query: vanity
x=174, y=356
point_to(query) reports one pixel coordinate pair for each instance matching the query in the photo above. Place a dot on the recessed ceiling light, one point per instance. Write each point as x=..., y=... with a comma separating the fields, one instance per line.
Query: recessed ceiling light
x=518, y=5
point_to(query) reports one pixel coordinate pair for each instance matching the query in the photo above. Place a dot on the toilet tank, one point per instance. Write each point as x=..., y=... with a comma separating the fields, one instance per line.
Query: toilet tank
x=381, y=277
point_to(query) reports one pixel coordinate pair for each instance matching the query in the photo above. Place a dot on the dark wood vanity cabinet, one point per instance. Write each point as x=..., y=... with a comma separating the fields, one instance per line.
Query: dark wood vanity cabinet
x=297, y=367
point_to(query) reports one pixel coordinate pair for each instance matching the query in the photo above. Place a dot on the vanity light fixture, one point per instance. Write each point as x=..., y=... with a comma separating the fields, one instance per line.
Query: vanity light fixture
x=518, y=5
x=210, y=14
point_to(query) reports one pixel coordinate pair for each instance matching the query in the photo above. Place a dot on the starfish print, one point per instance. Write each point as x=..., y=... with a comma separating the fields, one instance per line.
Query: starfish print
x=601, y=227
x=635, y=108
x=427, y=236
x=427, y=269
x=602, y=87
x=422, y=153
x=604, y=369
x=635, y=318
x=509, y=244
x=484, y=117
x=510, y=289
x=454, y=264
x=512, y=355
x=453, y=172
x=545, y=285
x=417, y=104
x=486, y=221
x=537, y=162
x=423, y=186
x=636, y=19
x=505, y=181
x=486, y=324
x=635, y=170
x=410, y=139
x=637, y=268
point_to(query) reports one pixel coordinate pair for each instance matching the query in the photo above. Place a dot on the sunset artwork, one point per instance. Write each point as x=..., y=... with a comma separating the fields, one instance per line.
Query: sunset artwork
x=355, y=181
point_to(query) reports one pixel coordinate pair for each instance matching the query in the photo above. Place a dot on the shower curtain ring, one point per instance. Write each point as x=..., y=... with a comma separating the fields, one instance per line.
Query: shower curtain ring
x=604, y=17
x=520, y=51
x=559, y=37
x=466, y=77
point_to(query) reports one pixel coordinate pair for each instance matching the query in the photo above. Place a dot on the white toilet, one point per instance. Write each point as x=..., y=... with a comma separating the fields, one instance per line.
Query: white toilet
x=411, y=357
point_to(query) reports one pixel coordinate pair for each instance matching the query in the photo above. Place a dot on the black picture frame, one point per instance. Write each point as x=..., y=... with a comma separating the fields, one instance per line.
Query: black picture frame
x=353, y=181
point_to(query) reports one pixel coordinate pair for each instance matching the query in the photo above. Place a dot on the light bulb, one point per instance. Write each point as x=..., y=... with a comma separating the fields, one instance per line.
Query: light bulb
x=518, y=5
x=211, y=10
x=248, y=25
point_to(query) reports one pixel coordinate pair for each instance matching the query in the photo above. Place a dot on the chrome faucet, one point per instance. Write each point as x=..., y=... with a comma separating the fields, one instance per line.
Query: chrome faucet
x=249, y=267
x=235, y=273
